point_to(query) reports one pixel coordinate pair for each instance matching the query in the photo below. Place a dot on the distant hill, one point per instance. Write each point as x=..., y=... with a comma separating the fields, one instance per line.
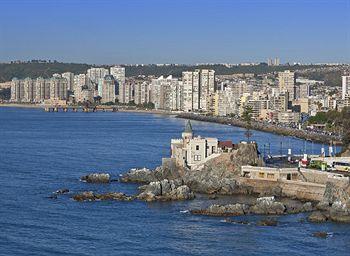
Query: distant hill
x=34, y=70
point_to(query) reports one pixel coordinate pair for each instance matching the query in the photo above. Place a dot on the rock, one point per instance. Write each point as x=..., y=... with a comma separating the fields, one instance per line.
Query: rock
x=91, y=196
x=307, y=207
x=339, y=212
x=293, y=207
x=62, y=191
x=320, y=234
x=165, y=190
x=143, y=175
x=96, y=178
x=223, y=210
x=228, y=220
x=267, y=222
x=323, y=206
x=54, y=196
x=317, y=216
x=267, y=205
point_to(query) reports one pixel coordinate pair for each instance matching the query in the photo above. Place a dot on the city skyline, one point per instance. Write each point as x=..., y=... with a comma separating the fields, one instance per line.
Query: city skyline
x=186, y=32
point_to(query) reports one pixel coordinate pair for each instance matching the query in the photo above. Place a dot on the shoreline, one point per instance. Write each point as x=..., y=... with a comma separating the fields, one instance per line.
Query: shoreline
x=300, y=134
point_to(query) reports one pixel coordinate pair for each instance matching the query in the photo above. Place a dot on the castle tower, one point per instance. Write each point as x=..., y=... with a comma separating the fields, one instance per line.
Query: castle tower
x=188, y=132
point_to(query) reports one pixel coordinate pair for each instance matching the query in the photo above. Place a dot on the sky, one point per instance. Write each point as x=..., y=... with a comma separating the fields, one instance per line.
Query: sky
x=175, y=31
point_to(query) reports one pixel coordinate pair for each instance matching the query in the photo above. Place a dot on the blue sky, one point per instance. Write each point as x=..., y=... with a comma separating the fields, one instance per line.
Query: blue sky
x=178, y=31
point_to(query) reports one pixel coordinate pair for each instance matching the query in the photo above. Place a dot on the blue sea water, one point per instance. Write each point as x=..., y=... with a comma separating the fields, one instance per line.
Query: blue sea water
x=41, y=152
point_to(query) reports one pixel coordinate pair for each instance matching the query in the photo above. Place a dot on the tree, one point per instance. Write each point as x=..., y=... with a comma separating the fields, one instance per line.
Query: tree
x=247, y=118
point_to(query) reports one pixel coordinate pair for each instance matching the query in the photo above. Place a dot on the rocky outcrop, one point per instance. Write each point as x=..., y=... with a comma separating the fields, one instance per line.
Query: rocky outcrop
x=96, y=178
x=220, y=175
x=262, y=206
x=266, y=206
x=317, y=216
x=145, y=175
x=91, y=196
x=165, y=190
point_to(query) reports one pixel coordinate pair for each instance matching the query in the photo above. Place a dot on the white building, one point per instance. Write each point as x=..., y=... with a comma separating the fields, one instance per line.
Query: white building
x=345, y=86
x=118, y=73
x=192, y=151
x=106, y=89
x=69, y=76
x=165, y=93
x=286, y=81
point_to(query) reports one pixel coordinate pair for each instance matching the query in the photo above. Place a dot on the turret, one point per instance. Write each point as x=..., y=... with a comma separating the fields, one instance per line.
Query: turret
x=187, y=133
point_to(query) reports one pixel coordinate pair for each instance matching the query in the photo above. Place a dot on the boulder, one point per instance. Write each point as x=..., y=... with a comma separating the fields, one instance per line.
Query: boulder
x=143, y=175
x=317, y=216
x=339, y=212
x=165, y=190
x=267, y=205
x=96, y=178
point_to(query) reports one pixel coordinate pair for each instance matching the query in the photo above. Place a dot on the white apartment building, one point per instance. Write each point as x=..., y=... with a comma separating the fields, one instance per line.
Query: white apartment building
x=345, y=86
x=69, y=76
x=106, y=89
x=166, y=92
x=286, y=81
x=118, y=73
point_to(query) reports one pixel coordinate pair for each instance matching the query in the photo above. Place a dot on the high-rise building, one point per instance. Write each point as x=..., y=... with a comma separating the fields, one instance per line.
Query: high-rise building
x=126, y=92
x=165, y=93
x=70, y=80
x=106, y=89
x=15, y=90
x=142, y=93
x=345, y=86
x=197, y=86
x=79, y=83
x=206, y=87
x=94, y=75
x=58, y=88
x=118, y=73
x=28, y=90
x=286, y=81
x=42, y=89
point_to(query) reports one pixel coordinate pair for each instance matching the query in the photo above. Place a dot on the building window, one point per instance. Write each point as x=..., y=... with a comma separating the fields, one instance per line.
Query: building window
x=197, y=157
x=261, y=175
x=270, y=176
x=197, y=147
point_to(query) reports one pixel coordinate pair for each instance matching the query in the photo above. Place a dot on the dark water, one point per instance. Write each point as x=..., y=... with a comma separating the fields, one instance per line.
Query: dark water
x=42, y=152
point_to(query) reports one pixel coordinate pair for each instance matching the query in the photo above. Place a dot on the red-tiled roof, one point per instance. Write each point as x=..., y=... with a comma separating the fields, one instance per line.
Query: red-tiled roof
x=225, y=144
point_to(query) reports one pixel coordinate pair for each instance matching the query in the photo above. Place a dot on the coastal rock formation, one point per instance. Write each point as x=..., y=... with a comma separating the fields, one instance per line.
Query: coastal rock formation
x=317, y=216
x=266, y=206
x=262, y=206
x=96, y=178
x=91, y=196
x=134, y=175
x=220, y=175
x=165, y=190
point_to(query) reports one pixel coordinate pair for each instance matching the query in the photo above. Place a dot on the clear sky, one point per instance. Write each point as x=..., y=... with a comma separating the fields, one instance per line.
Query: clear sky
x=178, y=31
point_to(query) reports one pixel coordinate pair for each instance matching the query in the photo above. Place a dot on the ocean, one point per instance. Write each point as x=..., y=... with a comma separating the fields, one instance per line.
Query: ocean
x=41, y=152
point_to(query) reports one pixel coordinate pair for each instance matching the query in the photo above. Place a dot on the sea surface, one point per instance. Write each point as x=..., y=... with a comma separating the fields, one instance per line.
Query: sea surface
x=41, y=152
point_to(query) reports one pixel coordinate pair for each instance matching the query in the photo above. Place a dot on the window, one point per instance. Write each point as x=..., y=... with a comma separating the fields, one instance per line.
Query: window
x=197, y=157
x=270, y=176
x=197, y=147
x=261, y=175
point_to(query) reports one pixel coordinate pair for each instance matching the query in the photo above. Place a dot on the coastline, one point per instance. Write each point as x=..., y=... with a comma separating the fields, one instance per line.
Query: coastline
x=318, y=138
